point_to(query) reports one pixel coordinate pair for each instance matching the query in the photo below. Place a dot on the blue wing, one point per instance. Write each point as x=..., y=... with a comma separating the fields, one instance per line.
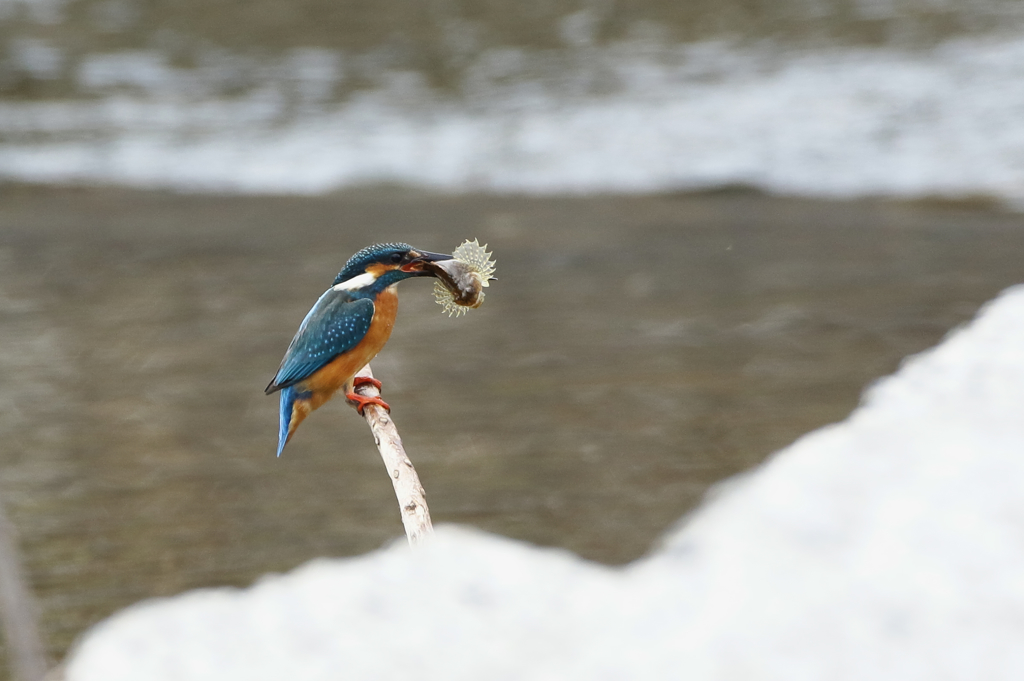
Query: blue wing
x=335, y=325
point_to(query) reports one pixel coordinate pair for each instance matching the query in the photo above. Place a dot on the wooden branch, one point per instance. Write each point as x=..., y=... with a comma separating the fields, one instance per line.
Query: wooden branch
x=18, y=611
x=412, y=499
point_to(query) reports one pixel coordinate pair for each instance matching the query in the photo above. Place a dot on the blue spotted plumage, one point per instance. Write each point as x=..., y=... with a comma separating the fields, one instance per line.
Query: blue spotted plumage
x=345, y=329
x=335, y=325
x=359, y=261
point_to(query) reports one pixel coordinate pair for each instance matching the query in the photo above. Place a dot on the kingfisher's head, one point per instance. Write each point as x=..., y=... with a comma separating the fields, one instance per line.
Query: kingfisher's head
x=376, y=267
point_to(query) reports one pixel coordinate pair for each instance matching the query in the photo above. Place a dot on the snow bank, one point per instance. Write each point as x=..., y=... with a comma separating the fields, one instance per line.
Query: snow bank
x=890, y=546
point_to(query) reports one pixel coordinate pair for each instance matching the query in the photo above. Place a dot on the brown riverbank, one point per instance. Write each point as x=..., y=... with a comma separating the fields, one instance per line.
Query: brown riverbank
x=633, y=352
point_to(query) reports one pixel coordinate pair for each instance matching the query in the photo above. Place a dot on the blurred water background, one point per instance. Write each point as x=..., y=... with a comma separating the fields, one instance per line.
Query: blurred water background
x=185, y=178
x=826, y=97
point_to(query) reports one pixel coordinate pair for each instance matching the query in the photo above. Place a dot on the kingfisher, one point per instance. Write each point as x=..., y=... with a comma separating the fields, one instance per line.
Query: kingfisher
x=344, y=330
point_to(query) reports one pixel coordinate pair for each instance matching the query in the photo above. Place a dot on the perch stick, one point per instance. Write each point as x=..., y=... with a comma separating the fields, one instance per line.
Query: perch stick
x=18, y=611
x=412, y=499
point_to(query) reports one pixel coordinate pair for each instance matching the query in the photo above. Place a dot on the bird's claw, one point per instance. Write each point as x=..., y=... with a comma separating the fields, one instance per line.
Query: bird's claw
x=360, y=402
x=366, y=380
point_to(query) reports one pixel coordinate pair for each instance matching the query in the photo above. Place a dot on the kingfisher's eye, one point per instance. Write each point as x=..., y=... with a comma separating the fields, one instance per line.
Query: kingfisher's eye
x=396, y=258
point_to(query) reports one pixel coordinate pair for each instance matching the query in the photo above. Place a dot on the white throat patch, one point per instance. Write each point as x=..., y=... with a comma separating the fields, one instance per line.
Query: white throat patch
x=359, y=281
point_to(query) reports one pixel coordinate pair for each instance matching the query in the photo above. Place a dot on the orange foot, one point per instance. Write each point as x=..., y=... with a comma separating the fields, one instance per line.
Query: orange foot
x=366, y=380
x=360, y=402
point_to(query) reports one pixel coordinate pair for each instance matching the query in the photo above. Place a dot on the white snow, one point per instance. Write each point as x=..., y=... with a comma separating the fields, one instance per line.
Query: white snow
x=889, y=546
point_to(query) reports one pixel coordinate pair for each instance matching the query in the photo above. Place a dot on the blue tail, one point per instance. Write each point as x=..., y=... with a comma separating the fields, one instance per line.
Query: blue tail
x=288, y=396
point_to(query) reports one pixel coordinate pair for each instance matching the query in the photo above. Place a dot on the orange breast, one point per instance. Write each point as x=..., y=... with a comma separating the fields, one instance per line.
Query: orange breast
x=325, y=382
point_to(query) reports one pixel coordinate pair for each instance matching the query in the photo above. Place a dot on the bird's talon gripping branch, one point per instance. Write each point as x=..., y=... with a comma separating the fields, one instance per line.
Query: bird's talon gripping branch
x=366, y=380
x=360, y=402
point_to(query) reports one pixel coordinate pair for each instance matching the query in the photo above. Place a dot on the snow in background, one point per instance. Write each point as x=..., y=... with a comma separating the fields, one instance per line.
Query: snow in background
x=889, y=546
x=946, y=120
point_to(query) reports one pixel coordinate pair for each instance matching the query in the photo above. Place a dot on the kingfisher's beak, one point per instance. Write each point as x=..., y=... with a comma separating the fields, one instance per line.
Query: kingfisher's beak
x=420, y=262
